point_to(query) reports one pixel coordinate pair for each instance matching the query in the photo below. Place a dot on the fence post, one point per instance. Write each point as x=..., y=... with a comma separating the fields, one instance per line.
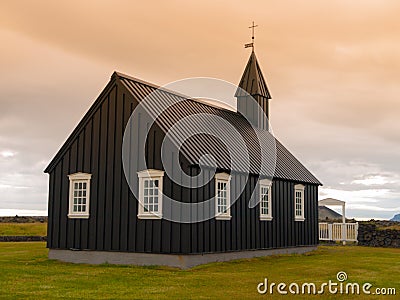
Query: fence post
x=344, y=233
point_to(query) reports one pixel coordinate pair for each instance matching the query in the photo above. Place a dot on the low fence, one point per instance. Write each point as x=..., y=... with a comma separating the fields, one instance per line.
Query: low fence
x=338, y=232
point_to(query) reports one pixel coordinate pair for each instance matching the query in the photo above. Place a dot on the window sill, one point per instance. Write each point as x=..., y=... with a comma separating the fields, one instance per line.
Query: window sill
x=74, y=216
x=298, y=219
x=265, y=218
x=149, y=216
x=223, y=217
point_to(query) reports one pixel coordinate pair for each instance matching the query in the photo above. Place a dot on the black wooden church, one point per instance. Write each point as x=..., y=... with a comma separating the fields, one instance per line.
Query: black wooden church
x=94, y=217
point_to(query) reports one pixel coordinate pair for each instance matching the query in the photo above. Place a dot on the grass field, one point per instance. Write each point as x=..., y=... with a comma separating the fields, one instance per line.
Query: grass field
x=23, y=229
x=392, y=227
x=27, y=273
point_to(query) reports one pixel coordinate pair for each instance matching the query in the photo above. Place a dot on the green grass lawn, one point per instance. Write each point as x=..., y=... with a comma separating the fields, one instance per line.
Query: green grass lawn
x=27, y=273
x=23, y=229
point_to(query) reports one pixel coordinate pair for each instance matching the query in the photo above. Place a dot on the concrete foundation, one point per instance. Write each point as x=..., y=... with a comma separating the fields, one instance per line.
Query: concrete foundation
x=184, y=261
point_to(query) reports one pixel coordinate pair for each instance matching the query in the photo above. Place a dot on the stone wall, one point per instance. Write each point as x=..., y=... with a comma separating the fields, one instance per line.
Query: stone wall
x=374, y=234
x=22, y=238
x=18, y=219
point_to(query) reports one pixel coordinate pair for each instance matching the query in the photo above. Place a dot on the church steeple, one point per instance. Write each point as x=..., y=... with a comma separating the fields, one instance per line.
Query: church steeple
x=253, y=81
x=253, y=84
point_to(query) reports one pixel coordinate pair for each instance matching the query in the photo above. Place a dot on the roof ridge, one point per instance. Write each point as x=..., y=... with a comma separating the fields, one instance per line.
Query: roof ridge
x=175, y=93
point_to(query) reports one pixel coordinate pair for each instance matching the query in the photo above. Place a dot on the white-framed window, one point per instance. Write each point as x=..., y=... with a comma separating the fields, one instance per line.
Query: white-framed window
x=150, y=194
x=79, y=195
x=299, y=202
x=265, y=200
x=222, y=196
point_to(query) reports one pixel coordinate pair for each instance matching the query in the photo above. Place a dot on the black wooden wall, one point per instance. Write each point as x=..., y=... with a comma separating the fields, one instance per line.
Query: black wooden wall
x=95, y=147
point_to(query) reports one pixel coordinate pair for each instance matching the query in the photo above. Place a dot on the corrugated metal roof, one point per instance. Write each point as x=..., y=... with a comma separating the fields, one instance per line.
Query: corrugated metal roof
x=287, y=166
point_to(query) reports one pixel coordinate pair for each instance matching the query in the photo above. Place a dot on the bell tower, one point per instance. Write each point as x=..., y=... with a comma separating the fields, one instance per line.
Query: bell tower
x=253, y=95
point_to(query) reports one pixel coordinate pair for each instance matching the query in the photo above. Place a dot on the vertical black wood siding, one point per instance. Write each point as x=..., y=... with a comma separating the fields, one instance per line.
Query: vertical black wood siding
x=113, y=224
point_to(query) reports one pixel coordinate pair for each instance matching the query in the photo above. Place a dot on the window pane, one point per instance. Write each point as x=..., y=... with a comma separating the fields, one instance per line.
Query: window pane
x=150, y=195
x=298, y=203
x=264, y=201
x=222, y=197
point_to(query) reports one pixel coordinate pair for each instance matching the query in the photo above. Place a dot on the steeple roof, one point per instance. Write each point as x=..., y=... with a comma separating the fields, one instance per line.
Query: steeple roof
x=253, y=81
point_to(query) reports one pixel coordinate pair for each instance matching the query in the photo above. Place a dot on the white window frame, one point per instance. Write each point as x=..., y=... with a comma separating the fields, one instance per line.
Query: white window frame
x=79, y=178
x=144, y=175
x=265, y=183
x=223, y=178
x=299, y=188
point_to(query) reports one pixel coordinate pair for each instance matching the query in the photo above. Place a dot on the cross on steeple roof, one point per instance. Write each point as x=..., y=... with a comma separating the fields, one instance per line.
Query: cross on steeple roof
x=252, y=37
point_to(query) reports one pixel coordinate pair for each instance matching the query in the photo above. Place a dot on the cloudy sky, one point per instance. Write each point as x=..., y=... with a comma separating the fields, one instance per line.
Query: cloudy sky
x=333, y=69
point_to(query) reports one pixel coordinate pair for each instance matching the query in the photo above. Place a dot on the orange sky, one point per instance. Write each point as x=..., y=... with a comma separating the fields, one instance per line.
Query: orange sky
x=333, y=69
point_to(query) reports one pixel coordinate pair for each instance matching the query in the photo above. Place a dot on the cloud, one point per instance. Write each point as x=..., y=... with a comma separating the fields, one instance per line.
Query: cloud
x=22, y=212
x=39, y=106
x=377, y=179
x=373, y=208
x=7, y=153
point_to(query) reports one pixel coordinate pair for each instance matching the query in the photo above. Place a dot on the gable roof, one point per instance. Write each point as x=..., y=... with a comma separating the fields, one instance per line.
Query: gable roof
x=331, y=201
x=287, y=166
x=253, y=81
